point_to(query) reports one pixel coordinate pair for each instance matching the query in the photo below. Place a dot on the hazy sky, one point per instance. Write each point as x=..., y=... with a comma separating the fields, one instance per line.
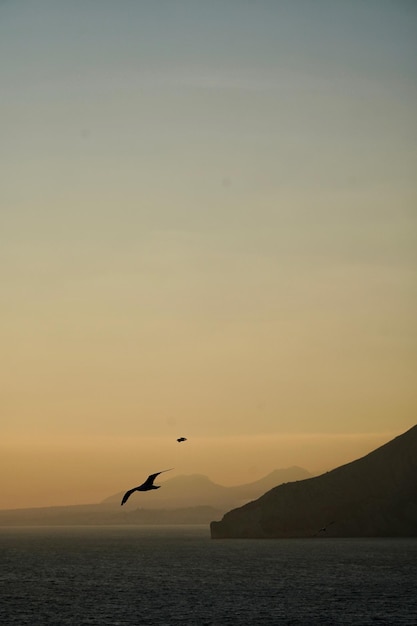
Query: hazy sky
x=207, y=228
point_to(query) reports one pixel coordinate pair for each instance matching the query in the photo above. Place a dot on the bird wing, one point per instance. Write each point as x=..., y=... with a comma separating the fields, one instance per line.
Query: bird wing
x=146, y=485
x=149, y=481
x=127, y=495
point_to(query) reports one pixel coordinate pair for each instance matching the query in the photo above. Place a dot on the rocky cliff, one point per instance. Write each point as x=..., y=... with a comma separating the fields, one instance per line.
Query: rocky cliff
x=374, y=496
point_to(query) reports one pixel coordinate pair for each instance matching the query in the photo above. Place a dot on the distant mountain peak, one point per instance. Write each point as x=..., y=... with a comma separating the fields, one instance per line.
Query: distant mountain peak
x=375, y=495
x=196, y=489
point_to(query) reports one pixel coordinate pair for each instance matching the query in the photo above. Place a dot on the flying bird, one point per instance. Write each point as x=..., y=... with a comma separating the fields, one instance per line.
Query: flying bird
x=323, y=529
x=146, y=486
x=182, y=439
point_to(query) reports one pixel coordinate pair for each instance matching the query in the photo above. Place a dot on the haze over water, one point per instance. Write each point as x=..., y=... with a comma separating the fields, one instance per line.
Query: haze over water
x=207, y=229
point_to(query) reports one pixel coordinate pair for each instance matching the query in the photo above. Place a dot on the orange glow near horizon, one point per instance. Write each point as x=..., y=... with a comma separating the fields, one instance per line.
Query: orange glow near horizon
x=54, y=473
x=203, y=233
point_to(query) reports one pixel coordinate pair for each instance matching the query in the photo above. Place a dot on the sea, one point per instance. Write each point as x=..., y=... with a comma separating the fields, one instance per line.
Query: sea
x=166, y=575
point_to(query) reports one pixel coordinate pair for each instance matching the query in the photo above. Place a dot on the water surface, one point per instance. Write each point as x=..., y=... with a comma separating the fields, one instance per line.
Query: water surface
x=178, y=575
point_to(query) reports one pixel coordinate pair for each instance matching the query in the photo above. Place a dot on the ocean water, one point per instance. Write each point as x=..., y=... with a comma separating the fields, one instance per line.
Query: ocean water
x=178, y=575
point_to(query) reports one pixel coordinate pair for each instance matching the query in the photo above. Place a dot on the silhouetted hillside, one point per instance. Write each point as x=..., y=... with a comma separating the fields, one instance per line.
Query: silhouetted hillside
x=199, y=490
x=105, y=515
x=191, y=499
x=372, y=496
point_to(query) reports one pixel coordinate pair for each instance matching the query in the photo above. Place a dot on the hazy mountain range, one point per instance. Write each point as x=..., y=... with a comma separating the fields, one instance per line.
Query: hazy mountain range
x=373, y=496
x=184, y=499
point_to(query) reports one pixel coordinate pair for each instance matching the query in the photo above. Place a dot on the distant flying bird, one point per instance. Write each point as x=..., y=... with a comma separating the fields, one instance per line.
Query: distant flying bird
x=146, y=486
x=181, y=439
x=323, y=529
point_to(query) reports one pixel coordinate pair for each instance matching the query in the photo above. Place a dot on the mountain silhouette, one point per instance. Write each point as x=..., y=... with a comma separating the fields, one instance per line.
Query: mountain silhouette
x=186, y=499
x=198, y=490
x=374, y=496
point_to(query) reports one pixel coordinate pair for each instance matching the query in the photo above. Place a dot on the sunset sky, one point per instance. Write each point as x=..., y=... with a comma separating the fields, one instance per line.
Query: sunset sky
x=208, y=229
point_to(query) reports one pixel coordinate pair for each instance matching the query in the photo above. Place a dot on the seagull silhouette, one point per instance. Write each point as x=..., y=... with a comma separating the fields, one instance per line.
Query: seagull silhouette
x=323, y=529
x=181, y=439
x=146, y=486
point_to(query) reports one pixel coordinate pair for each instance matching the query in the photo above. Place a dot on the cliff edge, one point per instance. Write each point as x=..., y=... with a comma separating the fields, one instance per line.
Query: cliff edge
x=374, y=496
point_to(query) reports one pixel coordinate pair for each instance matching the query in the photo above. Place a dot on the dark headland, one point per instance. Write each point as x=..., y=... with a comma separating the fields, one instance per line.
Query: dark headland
x=374, y=496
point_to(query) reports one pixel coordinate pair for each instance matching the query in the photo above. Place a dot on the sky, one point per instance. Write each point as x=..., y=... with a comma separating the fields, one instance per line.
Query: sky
x=207, y=229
